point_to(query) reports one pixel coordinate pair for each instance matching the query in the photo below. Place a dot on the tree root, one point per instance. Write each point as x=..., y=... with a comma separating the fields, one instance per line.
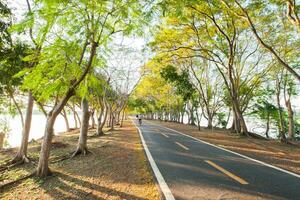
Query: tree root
x=62, y=158
x=11, y=166
x=17, y=181
x=18, y=158
x=79, y=151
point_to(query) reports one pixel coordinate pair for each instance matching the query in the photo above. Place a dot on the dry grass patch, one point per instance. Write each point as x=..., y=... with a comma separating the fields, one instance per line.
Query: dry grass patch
x=117, y=169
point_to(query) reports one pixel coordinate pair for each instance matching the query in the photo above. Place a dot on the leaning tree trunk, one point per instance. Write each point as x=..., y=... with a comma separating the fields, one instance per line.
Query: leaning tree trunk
x=101, y=123
x=75, y=119
x=228, y=117
x=22, y=153
x=64, y=114
x=82, y=142
x=198, y=120
x=43, y=165
x=93, y=119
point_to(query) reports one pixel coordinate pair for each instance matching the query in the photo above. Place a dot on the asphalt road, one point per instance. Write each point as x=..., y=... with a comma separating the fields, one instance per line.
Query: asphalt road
x=195, y=170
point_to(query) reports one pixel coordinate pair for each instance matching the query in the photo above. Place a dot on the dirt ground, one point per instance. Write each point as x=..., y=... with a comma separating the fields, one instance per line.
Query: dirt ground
x=116, y=169
x=272, y=152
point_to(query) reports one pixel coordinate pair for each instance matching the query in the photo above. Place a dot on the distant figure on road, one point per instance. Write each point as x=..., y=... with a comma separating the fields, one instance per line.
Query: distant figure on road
x=140, y=117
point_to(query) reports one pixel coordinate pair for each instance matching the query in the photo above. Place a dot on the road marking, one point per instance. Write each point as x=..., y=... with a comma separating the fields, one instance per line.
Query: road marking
x=181, y=145
x=231, y=175
x=164, y=135
x=160, y=179
x=238, y=154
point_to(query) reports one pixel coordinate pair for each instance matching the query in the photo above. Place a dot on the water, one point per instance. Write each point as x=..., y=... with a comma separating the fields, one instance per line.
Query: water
x=39, y=121
x=253, y=124
x=37, y=127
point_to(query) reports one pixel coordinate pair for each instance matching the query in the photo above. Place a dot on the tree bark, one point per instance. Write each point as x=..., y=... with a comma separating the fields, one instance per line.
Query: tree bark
x=78, y=118
x=22, y=153
x=100, y=125
x=228, y=117
x=281, y=122
x=75, y=119
x=122, y=119
x=112, y=118
x=291, y=132
x=82, y=142
x=198, y=120
x=209, y=125
x=268, y=126
x=64, y=114
x=93, y=119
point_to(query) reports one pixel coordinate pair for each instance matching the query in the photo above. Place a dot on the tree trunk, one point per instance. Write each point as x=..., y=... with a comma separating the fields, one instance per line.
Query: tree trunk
x=192, y=117
x=101, y=124
x=228, y=117
x=209, y=125
x=240, y=119
x=43, y=168
x=93, y=119
x=281, y=122
x=64, y=114
x=78, y=118
x=198, y=121
x=112, y=118
x=291, y=132
x=82, y=142
x=268, y=126
x=118, y=118
x=122, y=119
x=75, y=119
x=22, y=153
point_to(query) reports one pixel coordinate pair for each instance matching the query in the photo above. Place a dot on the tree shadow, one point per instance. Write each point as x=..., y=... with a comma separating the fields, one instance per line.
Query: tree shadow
x=68, y=187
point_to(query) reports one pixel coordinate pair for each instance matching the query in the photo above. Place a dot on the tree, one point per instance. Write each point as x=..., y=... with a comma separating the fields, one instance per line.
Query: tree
x=65, y=68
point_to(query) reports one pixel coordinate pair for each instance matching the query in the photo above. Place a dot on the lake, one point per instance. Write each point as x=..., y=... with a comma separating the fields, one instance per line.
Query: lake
x=37, y=127
x=39, y=120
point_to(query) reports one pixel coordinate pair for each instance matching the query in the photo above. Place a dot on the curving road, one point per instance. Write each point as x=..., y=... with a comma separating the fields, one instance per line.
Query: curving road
x=187, y=168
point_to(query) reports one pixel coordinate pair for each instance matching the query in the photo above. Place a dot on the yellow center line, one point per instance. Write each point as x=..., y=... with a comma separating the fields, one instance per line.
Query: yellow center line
x=231, y=175
x=182, y=146
x=164, y=135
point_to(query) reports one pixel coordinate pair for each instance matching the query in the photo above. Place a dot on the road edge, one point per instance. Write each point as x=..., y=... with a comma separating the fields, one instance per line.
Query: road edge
x=233, y=152
x=159, y=178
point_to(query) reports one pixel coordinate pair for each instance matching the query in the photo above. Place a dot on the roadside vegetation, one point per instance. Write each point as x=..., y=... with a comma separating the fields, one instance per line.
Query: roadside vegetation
x=223, y=64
